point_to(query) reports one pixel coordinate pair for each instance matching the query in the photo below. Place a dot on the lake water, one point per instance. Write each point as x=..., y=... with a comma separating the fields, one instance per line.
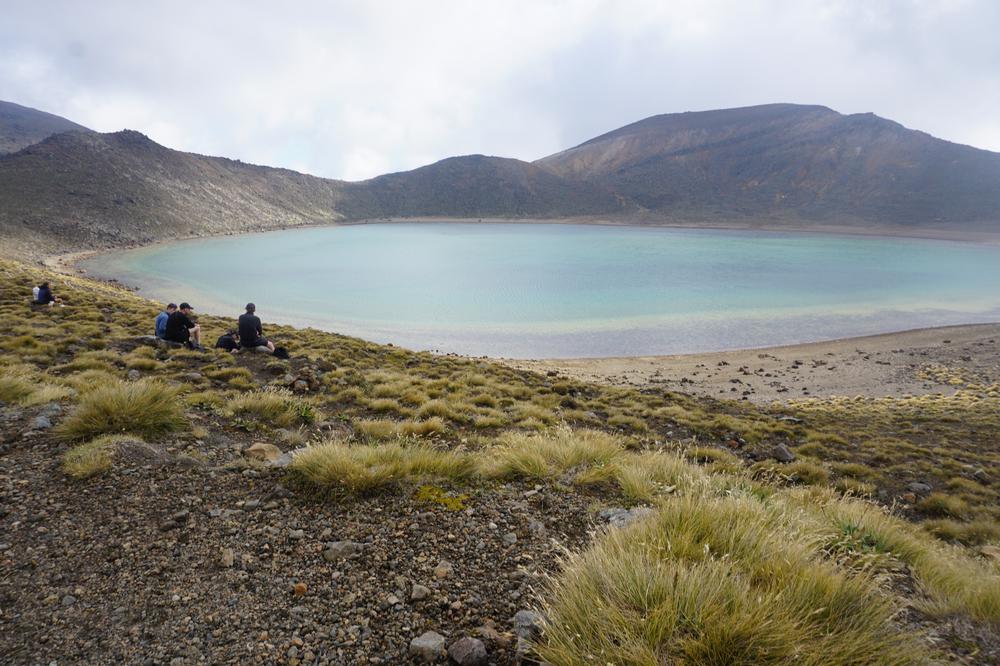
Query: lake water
x=553, y=290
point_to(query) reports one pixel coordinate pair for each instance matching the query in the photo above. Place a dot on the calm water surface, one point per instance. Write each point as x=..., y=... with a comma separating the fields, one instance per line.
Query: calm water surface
x=551, y=290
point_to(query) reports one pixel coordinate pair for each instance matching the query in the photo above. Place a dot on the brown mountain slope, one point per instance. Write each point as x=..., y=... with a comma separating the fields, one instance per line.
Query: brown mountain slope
x=22, y=126
x=786, y=161
x=477, y=186
x=87, y=190
x=77, y=191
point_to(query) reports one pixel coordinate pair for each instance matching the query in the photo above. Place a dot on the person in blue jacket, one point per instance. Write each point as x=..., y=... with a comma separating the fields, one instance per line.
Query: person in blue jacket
x=161, y=320
x=45, y=296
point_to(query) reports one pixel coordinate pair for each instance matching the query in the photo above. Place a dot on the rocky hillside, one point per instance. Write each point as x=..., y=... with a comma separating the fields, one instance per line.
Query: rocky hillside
x=83, y=190
x=476, y=186
x=790, y=162
x=359, y=503
x=22, y=126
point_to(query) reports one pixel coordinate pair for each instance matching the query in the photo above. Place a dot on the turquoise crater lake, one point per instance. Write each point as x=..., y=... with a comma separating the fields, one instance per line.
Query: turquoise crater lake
x=555, y=290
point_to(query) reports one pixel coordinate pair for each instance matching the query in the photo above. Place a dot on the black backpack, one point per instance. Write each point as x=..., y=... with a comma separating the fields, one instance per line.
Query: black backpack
x=280, y=352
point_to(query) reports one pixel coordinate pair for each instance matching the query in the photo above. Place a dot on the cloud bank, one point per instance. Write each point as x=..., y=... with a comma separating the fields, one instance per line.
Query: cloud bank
x=354, y=89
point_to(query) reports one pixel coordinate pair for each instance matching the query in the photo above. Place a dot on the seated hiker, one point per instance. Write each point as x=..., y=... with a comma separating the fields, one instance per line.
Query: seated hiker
x=161, y=320
x=45, y=296
x=251, y=334
x=230, y=341
x=181, y=329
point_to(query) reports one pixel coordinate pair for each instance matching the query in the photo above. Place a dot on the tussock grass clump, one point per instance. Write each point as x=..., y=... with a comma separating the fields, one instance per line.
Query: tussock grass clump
x=717, y=581
x=939, y=504
x=544, y=456
x=147, y=408
x=276, y=407
x=973, y=533
x=22, y=384
x=86, y=460
x=363, y=469
x=387, y=429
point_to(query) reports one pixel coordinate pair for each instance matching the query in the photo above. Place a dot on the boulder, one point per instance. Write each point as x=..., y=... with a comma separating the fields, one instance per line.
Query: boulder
x=527, y=624
x=428, y=647
x=782, y=454
x=919, y=488
x=263, y=452
x=621, y=517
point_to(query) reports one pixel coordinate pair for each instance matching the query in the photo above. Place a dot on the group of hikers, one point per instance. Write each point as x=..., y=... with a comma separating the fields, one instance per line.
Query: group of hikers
x=175, y=324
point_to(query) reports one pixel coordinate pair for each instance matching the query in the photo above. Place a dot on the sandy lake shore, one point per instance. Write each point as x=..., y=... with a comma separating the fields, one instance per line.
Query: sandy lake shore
x=893, y=364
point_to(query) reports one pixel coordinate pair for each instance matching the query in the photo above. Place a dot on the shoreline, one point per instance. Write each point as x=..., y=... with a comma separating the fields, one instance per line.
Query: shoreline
x=897, y=364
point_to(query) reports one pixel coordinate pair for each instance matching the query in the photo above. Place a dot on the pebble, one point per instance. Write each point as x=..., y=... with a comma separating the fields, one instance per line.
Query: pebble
x=227, y=558
x=918, y=488
x=443, y=569
x=419, y=592
x=509, y=538
x=41, y=423
x=339, y=550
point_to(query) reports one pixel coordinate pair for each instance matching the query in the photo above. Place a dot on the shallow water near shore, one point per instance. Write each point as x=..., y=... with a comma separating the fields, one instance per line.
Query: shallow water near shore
x=558, y=290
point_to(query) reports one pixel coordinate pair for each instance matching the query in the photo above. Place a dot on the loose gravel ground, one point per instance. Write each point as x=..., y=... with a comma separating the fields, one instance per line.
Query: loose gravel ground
x=190, y=564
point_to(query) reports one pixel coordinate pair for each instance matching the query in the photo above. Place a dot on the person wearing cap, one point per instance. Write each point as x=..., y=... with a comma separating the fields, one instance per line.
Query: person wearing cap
x=181, y=329
x=160, y=327
x=251, y=333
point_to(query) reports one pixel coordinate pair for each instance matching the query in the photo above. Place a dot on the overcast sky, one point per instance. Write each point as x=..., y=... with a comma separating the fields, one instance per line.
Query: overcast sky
x=355, y=89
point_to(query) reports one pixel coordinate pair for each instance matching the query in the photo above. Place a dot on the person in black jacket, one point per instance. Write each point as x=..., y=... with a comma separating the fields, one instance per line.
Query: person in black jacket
x=251, y=333
x=230, y=341
x=181, y=329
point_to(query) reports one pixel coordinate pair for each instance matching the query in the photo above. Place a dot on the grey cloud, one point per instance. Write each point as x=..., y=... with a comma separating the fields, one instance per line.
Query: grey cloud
x=353, y=89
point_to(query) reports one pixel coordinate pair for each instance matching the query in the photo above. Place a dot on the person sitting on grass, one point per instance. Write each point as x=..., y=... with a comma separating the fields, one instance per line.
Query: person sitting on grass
x=251, y=333
x=161, y=321
x=181, y=329
x=230, y=341
x=45, y=296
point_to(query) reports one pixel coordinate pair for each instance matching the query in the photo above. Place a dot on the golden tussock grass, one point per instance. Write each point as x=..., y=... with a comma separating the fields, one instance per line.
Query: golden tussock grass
x=365, y=468
x=95, y=457
x=717, y=581
x=147, y=408
x=273, y=407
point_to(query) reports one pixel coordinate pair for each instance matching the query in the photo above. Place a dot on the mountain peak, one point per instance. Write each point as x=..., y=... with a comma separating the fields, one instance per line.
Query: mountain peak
x=22, y=126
